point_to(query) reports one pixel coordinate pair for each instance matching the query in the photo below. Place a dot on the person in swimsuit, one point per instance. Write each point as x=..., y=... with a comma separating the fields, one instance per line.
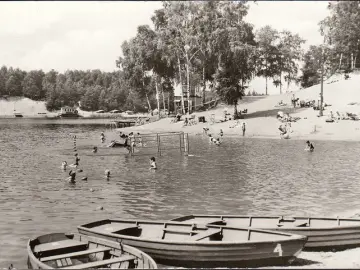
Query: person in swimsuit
x=309, y=146
x=153, y=163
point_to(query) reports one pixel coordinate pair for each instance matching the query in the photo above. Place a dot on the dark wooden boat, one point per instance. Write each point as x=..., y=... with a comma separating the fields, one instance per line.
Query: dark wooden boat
x=323, y=233
x=186, y=245
x=18, y=114
x=74, y=251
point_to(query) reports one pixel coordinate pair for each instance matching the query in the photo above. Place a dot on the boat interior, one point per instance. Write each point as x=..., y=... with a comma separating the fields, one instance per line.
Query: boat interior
x=71, y=251
x=177, y=231
x=268, y=222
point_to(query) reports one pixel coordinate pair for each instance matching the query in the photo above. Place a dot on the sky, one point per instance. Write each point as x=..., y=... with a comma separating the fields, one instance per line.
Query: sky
x=88, y=35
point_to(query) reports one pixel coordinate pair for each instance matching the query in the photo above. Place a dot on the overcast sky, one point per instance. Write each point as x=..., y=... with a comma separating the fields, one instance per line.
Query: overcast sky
x=88, y=35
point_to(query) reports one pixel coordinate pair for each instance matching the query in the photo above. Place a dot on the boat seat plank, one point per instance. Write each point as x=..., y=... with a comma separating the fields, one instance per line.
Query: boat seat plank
x=104, y=262
x=204, y=235
x=179, y=231
x=114, y=227
x=300, y=223
x=59, y=245
x=75, y=254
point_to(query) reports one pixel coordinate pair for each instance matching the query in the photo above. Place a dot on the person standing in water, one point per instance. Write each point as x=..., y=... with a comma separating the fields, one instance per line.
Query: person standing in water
x=243, y=127
x=102, y=137
x=309, y=146
x=153, y=163
x=72, y=176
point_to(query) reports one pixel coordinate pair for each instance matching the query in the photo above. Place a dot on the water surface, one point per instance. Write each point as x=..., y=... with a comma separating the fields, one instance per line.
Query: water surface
x=242, y=176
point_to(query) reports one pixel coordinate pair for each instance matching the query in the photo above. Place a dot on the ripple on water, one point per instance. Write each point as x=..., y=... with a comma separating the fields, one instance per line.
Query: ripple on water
x=241, y=176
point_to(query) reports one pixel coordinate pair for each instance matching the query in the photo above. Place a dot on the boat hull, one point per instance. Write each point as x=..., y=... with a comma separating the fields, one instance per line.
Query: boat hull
x=143, y=261
x=211, y=254
x=333, y=237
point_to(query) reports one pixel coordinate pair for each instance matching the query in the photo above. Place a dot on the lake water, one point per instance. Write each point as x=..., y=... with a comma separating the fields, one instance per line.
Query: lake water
x=242, y=176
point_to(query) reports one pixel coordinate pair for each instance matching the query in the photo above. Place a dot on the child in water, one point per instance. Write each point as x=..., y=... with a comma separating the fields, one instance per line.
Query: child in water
x=153, y=163
x=309, y=146
x=77, y=159
x=94, y=150
x=71, y=177
x=102, y=136
x=64, y=165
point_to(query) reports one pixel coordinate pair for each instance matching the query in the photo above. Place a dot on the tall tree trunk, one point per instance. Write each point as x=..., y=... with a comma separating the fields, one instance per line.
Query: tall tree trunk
x=188, y=83
x=266, y=83
x=181, y=83
x=341, y=56
x=157, y=96
x=352, y=60
x=235, y=109
x=355, y=61
x=168, y=102
x=147, y=97
x=280, y=84
x=163, y=98
x=204, y=86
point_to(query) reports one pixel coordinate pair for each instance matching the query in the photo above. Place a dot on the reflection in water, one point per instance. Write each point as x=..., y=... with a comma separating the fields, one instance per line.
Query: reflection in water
x=241, y=176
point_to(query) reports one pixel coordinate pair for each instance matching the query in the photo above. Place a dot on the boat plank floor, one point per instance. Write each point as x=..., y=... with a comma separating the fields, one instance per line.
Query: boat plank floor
x=102, y=263
x=74, y=254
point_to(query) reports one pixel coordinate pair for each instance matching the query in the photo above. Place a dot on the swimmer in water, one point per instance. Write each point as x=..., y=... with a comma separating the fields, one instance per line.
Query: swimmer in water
x=102, y=137
x=140, y=139
x=107, y=174
x=64, y=165
x=211, y=138
x=221, y=133
x=309, y=146
x=217, y=141
x=94, y=149
x=71, y=178
x=152, y=163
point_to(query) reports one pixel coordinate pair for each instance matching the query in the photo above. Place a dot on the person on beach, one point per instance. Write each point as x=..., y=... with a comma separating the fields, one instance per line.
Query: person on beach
x=243, y=127
x=64, y=165
x=309, y=147
x=102, y=137
x=153, y=164
x=221, y=133
x=95, y=149
x=107, y=174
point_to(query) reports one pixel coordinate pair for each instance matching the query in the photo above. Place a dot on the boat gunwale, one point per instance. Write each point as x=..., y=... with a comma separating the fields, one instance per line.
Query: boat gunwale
x=139, y=254
x=292, y=237
x=341, y=227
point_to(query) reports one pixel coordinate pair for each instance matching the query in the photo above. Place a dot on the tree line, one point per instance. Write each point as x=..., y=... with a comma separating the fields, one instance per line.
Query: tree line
x=195, y=44
x=96, y=90
x=341, y=39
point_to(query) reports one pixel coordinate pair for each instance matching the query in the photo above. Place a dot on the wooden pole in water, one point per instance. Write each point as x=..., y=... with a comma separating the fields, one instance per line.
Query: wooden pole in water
x=186, y=146
x=159, y=146
x=180, y=142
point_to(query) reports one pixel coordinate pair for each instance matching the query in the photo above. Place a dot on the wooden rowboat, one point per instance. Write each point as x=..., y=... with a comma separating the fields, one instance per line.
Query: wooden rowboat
x=323, y=233
x=74, y=251
x=186, y=245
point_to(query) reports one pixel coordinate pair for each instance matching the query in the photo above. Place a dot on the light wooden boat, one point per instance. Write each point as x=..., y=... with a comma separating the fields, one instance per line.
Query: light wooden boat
x=74, y=251
x=186, y=245
x=323, y=233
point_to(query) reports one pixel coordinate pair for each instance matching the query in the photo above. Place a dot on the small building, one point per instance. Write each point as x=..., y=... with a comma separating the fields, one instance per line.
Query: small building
x=68, y=111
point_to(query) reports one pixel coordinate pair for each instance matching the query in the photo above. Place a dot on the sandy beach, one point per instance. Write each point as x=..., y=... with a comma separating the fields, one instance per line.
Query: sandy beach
x=261, y=121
